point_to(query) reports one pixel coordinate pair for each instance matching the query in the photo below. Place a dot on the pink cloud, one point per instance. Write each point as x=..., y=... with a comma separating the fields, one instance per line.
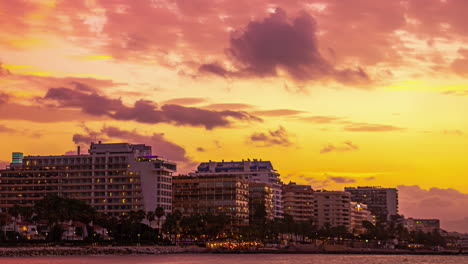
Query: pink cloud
x=448, y=205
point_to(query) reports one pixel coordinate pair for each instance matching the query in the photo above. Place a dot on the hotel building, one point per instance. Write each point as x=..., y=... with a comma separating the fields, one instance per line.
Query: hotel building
x=298, y=201
x=253, y=170
x=260, y=197
x=113, y=178
x=213, y=193
x=381, y=202
x=332, y=208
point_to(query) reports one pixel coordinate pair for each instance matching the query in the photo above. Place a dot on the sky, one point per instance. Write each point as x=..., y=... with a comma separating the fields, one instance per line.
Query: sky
x=335, y=93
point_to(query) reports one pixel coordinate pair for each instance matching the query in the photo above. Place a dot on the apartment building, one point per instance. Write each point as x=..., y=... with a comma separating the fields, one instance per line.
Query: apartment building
x=332, y=208
x=298, y=201
x=260, y=198
x=114, y=178
x=381, y=202
x=254, y=170
x=213, y=193
x=359, y=213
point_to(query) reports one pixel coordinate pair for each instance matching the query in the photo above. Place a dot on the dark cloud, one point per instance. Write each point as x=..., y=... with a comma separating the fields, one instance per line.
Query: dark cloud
x=144, y=111
x=277, y=112
x=340, y=179
x=186, y=101
x=364, y=127
x=276, y=44
x=200, y=149
x=228, y=106
x=278, y=137
x=161, y=146
x=346, y=146
x=84, y=139
x=214, y=68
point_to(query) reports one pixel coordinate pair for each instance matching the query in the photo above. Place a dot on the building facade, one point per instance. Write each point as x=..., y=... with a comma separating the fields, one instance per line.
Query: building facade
x=298, y=201
x=422, y=225
x=213, y=194
x=260, y=201
x=332, y=209
x=113, y=178
x=359, y=214
x=254, y=170
x=381, y=202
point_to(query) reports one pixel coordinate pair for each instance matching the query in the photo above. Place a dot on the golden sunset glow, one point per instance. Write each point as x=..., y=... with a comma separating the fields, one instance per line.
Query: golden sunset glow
x=333, y=93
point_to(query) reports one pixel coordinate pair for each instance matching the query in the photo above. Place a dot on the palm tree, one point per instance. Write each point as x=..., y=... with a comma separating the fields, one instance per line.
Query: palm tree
x=3, y=223
x=150, y=217
x=159, y=212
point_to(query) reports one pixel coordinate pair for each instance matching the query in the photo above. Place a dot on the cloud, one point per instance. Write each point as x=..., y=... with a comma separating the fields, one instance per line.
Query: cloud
x=228, y=106
x=200, y=149
x=277, y=112
x=365, y=127
x=346, y=146
x=339, y=179
x=321, y=119
x=279, y=137
x=448, y=205
x=3, y=71
x=460, y=65
x=4, y=98
x=161, y=146
x=454, y=132
x=186, y=101
x=144, y=111
x=456, y=92
x=3, y=164
x=4, y=129
x=277, y=44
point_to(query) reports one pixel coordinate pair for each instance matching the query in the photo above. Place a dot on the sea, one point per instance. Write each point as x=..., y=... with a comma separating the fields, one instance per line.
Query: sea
x=241, y=259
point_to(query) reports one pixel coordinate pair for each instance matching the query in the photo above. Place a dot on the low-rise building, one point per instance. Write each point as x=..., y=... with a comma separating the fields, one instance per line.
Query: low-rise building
x=359, y=214
x=422, y=225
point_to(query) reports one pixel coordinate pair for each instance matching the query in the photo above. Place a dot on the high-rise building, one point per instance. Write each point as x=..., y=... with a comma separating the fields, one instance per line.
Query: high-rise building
x=260, y=200
x=226, y=194
x=255, y=171
x=381, y=202
x=332, y=209
x=113, y=178
x=298, y=201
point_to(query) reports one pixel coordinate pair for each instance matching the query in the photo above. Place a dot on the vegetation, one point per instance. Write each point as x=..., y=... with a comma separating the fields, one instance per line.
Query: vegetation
x=139, y=226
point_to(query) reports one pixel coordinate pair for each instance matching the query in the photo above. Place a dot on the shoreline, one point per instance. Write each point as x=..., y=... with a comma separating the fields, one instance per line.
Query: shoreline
x=162, y=250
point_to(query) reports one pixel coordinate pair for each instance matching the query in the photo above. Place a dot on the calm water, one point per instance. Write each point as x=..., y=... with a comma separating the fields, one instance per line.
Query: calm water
x=241, y=259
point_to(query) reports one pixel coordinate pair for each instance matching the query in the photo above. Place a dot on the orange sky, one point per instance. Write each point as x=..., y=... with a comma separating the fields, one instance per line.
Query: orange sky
x=335, y=93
